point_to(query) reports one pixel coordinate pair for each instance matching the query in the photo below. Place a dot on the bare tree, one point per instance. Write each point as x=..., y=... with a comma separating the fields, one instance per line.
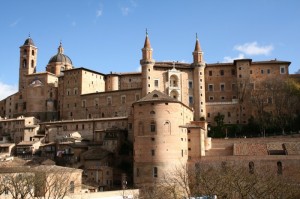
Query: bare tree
x=19, y=184
x=40, y=182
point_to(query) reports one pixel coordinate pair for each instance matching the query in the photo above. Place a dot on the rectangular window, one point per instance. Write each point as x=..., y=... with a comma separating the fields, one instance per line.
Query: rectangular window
x=210, y=87
x=222, y=72
x=190, y=84
x=137, y=172
x=156, y=82
x=211, y=98
x=153, y=152
x=250, y=72
x=210, y=73
x=208, y=114
x=262, y=71
x=191, y=101
x=222, y=87
x=229, y=114
x=268, y=71
x=152, y=127
x=155, y=172
x=282, y=69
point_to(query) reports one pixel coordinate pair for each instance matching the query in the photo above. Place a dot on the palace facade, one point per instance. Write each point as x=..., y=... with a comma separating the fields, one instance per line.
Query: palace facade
x=163, y=110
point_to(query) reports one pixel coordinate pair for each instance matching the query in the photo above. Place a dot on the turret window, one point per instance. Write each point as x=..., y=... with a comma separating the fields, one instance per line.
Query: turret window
x=25, y=52
x=32, y=52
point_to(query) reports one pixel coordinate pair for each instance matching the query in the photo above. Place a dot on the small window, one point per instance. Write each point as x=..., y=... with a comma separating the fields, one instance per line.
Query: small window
x=279, y=168
x=72, y=186
x=210, y=73
x=251, y=167
x=32, y=52
x=229, y=114
x=153, y=152
x=137, y=172
x=210, y=87
x=222, y=72
x=282, y=69
x=32, y=64
x=262, y=71
x=190, y=84
x=222, y=87
x=156, y=82
x=155, y=172
x=268, y=71
x=191, y=101
x=250, y=72
x=211, y=98
x=208, y=114
x=152, y=127
x=155, y=96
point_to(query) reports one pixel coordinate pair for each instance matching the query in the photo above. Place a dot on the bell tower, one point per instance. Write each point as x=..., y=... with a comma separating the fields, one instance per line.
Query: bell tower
x=28, y=59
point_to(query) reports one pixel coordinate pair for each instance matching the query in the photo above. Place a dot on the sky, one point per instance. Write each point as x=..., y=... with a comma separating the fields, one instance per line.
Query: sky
x=108, y=35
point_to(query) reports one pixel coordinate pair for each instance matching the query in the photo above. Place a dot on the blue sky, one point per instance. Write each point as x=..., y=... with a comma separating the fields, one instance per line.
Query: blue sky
x=107, y=35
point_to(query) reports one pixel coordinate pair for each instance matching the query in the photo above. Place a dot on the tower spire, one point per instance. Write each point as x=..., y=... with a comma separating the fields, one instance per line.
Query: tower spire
x=147, y=41
x=197, y=54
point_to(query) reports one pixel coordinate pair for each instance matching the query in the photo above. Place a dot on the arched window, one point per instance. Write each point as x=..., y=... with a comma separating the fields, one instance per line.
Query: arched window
x=32, y=64
x=167, y=128
x=25, y=52
x=251, y=167
x=24, y=63
x=279, y=168
x=152, y=112
x=174, y=94
x=173, y=81
x=155, y=96
x=32, y=52
x=152, y=126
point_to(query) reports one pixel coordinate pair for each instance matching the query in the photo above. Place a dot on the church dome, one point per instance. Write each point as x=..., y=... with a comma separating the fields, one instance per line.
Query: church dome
x=28, y=41
x=60, y=57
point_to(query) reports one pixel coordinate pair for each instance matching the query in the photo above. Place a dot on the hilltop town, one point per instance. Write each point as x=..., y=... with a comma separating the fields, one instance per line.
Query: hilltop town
x=128, y=130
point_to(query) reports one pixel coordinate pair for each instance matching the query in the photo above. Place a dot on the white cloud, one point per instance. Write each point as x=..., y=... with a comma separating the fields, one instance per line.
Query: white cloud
x=13, y=24
x=254, y=49
x=125, y=10
x=139, y=69
x=6, y=90
x=230, y=59
x=99, y=12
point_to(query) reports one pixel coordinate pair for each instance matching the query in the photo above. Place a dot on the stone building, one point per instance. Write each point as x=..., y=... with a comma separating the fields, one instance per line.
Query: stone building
x=163, y=110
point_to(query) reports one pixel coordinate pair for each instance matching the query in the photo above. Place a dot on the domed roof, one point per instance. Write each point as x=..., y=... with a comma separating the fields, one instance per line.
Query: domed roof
x=28, y=41
x=60, y=57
